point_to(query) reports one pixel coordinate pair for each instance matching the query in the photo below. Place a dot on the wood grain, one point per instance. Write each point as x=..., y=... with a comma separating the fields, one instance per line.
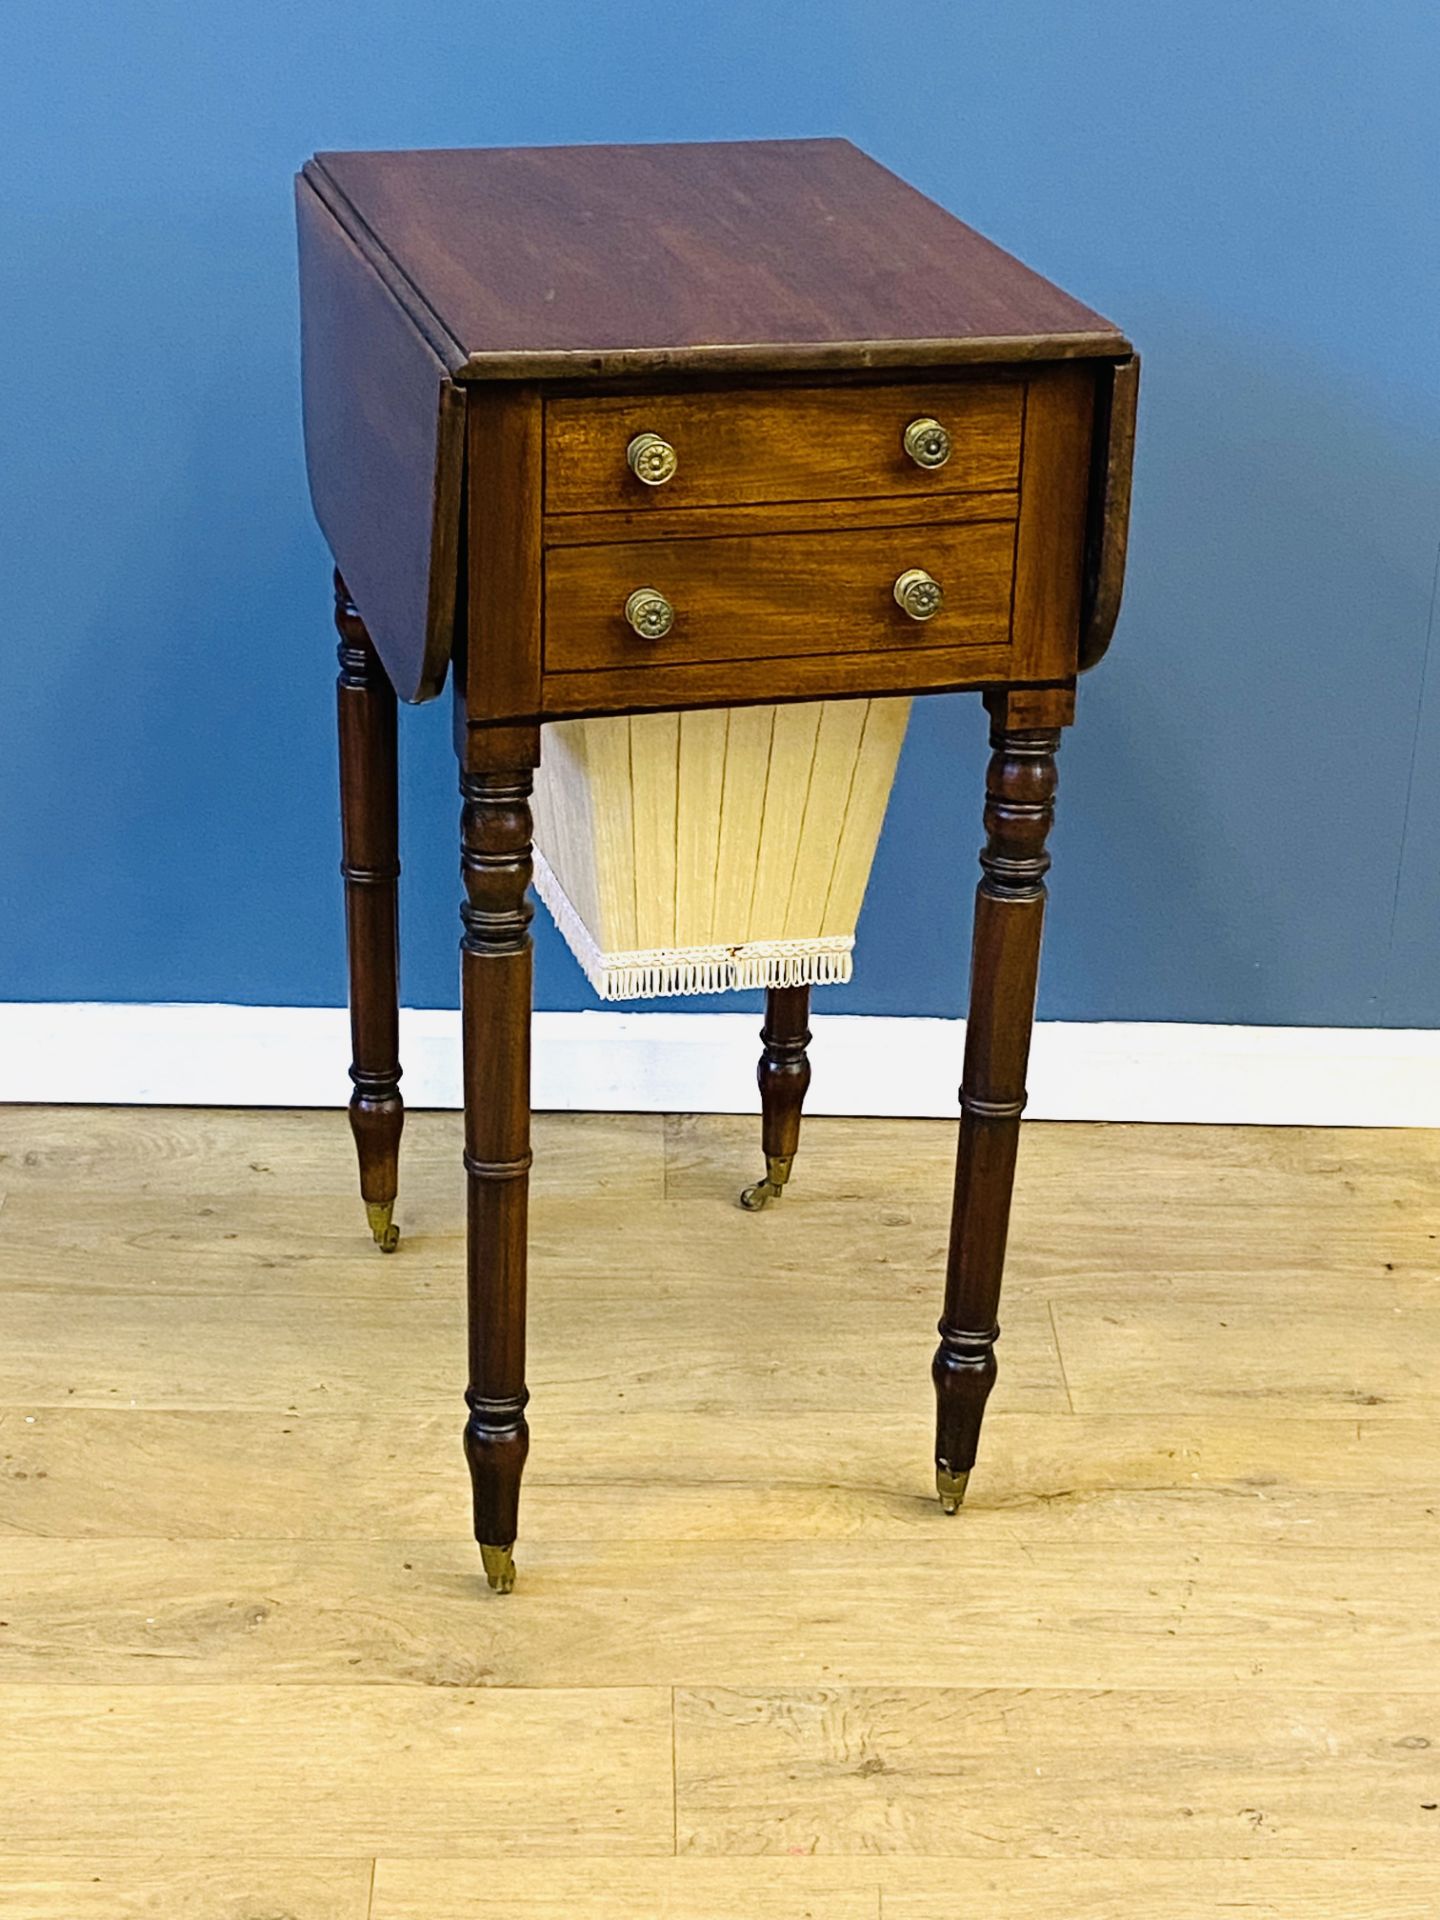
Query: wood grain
x=978, y=1602
x=799, y=443
x=598, y=260
x=55, y=1888
x=1336, y=1361
x=244, y=1651
x=340, y=1770
x=1108, y=531
x=897, y=1888
x=1004, y=971
x=283, y=1352
x=881, y=672
x=496, y=974
x=1237, y=1482
x=990, y=1771
x=145, y=1887
x=512, y=267
x=505, y=455
x=860, y=1218
x=93, y=1158
x=624, y=1890
x=663, y=522
x=1050, y=539
x=1260, y=1889
x=370, y=865
x=779, y=594
x=1361, y=1178
x=384, y=449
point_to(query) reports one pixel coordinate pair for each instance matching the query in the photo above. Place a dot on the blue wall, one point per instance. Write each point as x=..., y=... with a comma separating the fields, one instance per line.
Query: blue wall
x=1250, y=190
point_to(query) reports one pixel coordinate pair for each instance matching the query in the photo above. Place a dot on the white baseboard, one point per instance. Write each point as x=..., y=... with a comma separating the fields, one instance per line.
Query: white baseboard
x=689, y=1062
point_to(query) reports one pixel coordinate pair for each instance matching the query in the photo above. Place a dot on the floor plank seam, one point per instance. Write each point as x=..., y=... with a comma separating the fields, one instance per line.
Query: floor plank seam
x=1059, y=1354
x=1197, y=1589
x=674, y=1780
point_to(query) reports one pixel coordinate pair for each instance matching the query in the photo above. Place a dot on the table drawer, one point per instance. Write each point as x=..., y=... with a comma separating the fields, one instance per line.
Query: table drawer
x=808, y=443
x=777, y=595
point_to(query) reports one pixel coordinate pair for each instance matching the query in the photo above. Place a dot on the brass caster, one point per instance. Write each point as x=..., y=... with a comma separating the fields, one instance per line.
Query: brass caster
x=764, y=1192
x=951, y=1488
x=755, y=1199
x=499, y=1567
x=387, y=1234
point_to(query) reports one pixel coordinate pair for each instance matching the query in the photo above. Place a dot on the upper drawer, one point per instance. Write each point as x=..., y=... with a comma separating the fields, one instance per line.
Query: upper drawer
x=772, y=444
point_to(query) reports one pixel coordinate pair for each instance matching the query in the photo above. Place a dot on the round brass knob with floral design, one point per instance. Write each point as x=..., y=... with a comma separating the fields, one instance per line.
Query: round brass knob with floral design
x=917, y=594
x=649, y=613
x=927, y=443
x=652, y=459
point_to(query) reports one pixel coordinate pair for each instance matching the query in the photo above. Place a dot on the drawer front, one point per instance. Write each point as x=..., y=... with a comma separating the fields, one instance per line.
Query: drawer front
x=777, y=596
x=756, y=446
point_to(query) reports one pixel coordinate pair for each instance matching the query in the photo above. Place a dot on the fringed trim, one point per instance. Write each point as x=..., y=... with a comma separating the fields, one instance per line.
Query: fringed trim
x=658, y=971
x=652, y=973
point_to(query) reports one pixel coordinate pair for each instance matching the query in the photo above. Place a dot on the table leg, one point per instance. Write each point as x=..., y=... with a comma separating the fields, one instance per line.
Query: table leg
x=369, y=821
x=1004, y=969
x=496, y=989
x=784, y=1077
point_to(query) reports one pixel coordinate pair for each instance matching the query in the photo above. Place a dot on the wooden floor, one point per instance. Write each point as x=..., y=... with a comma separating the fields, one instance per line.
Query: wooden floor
x=1177, y=1657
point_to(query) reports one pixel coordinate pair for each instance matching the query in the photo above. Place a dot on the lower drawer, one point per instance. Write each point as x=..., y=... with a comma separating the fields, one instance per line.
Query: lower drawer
x=777, y=596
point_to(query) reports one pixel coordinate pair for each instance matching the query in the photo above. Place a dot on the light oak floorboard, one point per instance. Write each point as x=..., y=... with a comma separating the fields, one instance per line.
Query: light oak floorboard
x=898, y=1888
x=152, y=1199
x=900, y=1159
x=1211, y=1479
x=205, y=1242
x=594, y=1347
x=208, y=1243
x=256, y=1157
x=993, y=1770
x=1254, y=1889
x=959, y=1603
x=342, y=1770
x=245, y=1647
x=627, y=1890
x=1373, y=1357
x=169, y=1887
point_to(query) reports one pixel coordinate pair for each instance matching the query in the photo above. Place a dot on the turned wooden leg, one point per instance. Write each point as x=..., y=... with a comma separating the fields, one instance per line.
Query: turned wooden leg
x=496, y=983
x=371, y=866
x=784, y=1077
x=1004, y=969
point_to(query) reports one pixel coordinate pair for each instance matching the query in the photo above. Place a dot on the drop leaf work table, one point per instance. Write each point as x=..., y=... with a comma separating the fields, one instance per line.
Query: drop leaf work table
x=615, y=430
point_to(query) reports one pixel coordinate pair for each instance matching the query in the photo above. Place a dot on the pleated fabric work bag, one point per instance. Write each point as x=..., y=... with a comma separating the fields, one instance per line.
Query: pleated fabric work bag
x=696, y=852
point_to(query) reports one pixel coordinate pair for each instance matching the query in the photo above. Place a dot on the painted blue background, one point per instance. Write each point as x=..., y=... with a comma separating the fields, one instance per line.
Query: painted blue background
x=1251, y=801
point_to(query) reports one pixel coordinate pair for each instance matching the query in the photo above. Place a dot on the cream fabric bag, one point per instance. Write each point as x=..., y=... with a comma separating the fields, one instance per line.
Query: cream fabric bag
x=696, y=852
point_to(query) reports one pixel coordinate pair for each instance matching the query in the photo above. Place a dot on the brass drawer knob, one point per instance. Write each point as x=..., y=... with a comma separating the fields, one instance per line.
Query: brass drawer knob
x=649, y=613
x=652, y=459
x=917, y=594
x=927, y=443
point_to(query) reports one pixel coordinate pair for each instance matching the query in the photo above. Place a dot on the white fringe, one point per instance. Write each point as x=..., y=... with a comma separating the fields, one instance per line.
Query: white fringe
x=654, y=973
